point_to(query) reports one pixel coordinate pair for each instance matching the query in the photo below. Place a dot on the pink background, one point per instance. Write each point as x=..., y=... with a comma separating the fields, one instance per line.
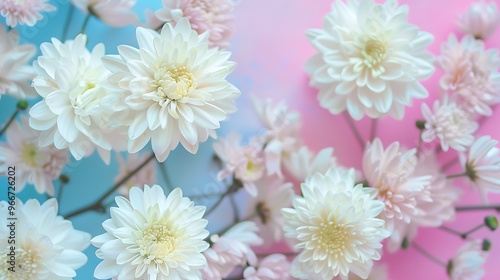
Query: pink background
x=270, y=47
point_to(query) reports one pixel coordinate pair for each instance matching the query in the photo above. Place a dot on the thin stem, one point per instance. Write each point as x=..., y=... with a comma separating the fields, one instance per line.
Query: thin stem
x=97, y=206
x=164, y=174
x=288, y=254
x=9, y=28
x=427, y=254
x=456, y=175
x=12, y=118
x=373, y=132
x=204, y=195
x=478, y=207
x=67, y=24
x=474, y=229
x=452, y=231
x=85, y=22
x=235, y=208
x=449, y=164
x=224, y=230
x=59, y=194
x=352, y=126
x=219, y=201
x=420, y=141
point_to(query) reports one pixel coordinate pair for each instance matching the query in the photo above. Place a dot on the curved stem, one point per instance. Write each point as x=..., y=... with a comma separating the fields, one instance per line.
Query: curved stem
x=352, y=125
x=427, y=254
x=85, y=22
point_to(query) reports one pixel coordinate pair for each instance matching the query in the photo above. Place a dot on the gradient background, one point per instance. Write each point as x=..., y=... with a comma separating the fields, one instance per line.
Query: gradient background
x=270, y=47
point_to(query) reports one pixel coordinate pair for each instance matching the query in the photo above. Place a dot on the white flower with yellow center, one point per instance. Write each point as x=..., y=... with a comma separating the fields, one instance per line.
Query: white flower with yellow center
x=174, y=87
x=335, y=225
x=370, y=59
x=150, y=236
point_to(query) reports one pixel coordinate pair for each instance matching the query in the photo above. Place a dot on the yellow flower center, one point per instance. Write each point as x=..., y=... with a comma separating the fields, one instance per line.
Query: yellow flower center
x=173, y=82
x=333, y=237
x=29, y=154
x=156, y=242
x=373, y=52
x=27, y=265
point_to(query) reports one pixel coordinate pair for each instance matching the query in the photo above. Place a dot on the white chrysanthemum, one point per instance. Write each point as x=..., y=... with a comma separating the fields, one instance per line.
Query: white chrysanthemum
x=175, y=88
x=304, y=163
x=390, y=172
x=480, y=20
x=24, y=11
x=336, y=226
x=47, y=246
x=145, y=176
x=15, y=73
x=471, y=73
x=35, y=165
x=378, y=272
x=71, y=82
x=467, y=264
x=214, y=16
x=152, y=237
x=450, y=123
x=482, y=165
x=272, y=267
x=282, y=135
x=112, y=12
x=230, y=250
x=370, y=59
x=245, y=163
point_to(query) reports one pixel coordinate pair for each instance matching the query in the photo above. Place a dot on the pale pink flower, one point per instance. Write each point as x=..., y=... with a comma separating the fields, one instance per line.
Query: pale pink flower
x=467, y=264
x=145, y=176
x=35, y=165
x=15, y=73
x=378, y=272
x=303, y=162
x=450, y=123
x=214, y=16
x=24, y=11
x=471, y=73
x=272, y=267
x=480, y=20
x=112, y=12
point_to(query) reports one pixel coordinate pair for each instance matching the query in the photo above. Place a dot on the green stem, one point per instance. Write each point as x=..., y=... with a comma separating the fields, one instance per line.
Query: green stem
x=452, y=231
x=449, y=164
x=464, y=174
x=353, y=128
x=420, y=141
x=235, y=208
x=164, y=174
x=9, y=122
x=85, y=22
x=473, y=229
x=427, y=254
x=71, y=10
x=478, y=207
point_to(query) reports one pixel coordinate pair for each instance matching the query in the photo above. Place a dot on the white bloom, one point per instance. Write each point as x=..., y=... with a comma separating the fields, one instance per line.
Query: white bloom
x=275, y=266
x=370, y=59
x=175, y=88
x=335, y=224
x=214, y=16
x=15, y=73
x=480, y=20
x=230, y=250
x=24, y=11
x=304, y=163
x=246, y=163
x=471, y=73
x=145, y=176
x=450, y=123
x=47, y=246
x=152, y=237
x=71, y=82
x=482, y=165
x=112, y=12
x=378, y=272
x=35, y=165
x=467, y=264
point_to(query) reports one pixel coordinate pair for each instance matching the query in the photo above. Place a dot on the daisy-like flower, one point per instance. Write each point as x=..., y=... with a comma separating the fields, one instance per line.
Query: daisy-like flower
x=275, y=266
x=471, y=73
x=452, y=125
x=370, y=59
x=47, y=246
x=230, y=250
x=480, y=20
x=245, y=163
x=145, y=176
x=335, y=225
x=214, y=16
x=24, y=11
x=304, y=163
x=482, y=165
x=35, y=165
x=152, y=236
x=112, y=12
x=390, y=173
x=15, y=73
x=467, y=264
x=175, y=88
x=71, y=82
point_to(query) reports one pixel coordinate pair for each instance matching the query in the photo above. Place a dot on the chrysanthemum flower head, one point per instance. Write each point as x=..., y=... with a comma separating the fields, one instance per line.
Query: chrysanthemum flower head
x=370, y=59
x=480, y=20
x=24, y=11
x=150, y=236
x=112, y=12
x=304, y=163
x=468, y=261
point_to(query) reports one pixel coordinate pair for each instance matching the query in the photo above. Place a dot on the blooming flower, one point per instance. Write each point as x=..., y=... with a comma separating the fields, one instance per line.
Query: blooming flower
x=450, y=123
x=231, y=249
x=71, y=82
x=214, y=16
x=304, y=163
x=24, y=11
x=47, y=246
x=275, y=266
x=152, y=236
x=145, y=176
x=174, y=93
x=482, y=165
x=335, y=224
x=35, y=165
x=112, y=12
x=480, y=20
x=370, y=59
x=15, y=73
x=471, y=73
x=378, y=272
x=467, y=264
